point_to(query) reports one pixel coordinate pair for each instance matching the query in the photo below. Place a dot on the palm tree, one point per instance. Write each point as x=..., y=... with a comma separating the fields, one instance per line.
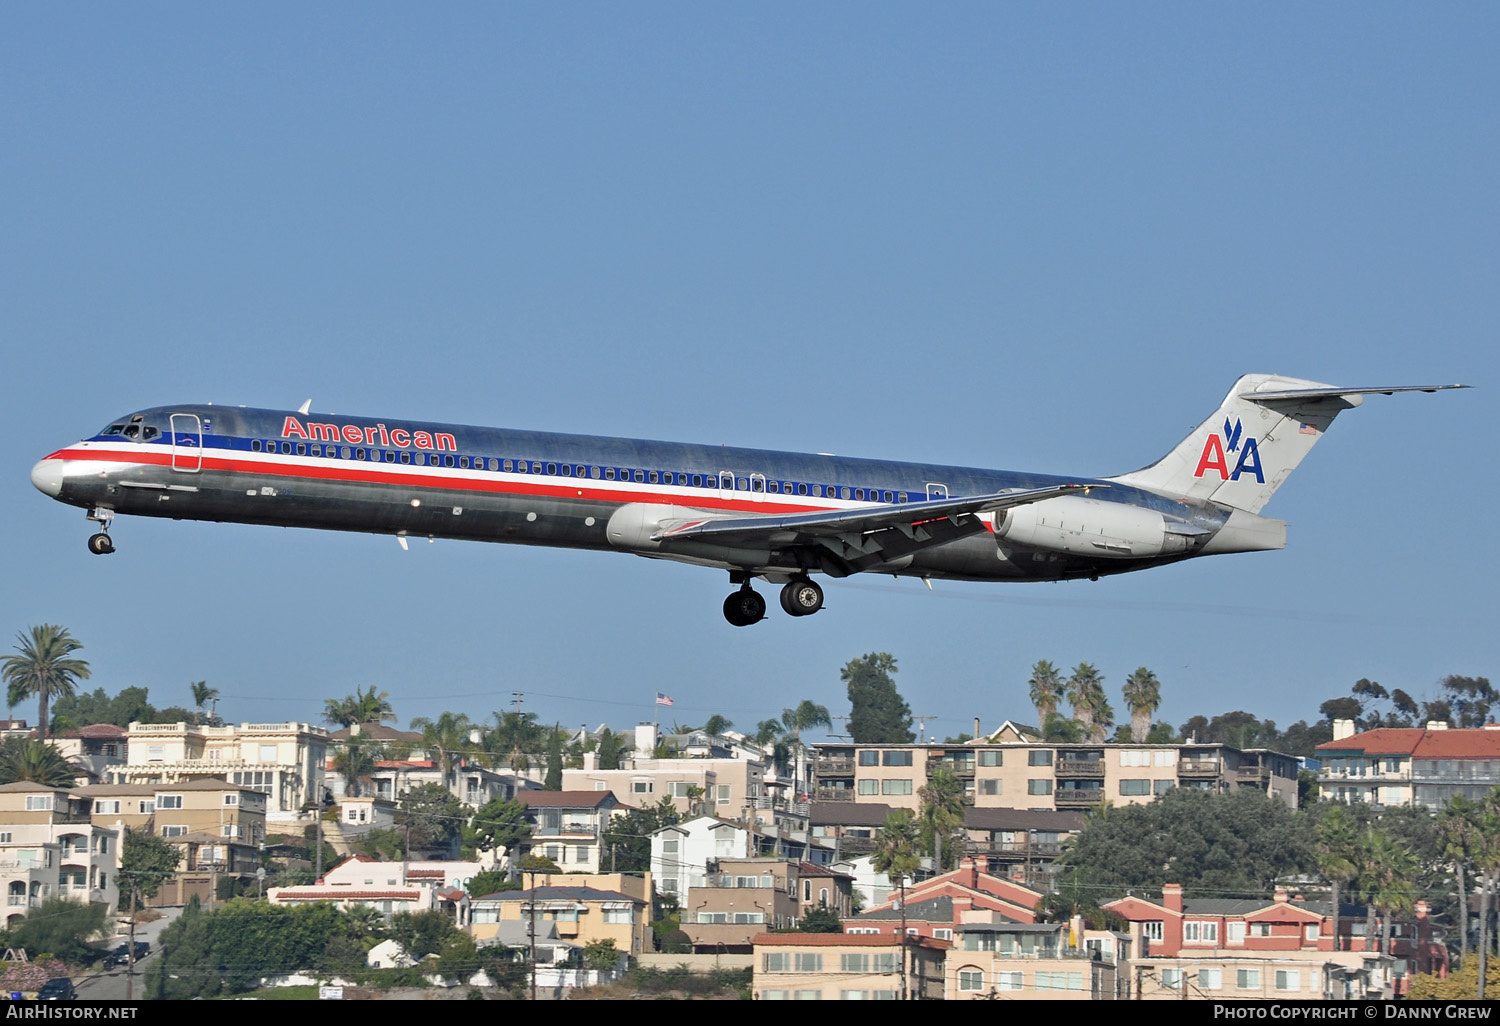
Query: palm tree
x=770, y=735
x=716, y=725
x=361, y=707
x=1457, y=830
x=942, y=810
x=449, y=733
x=37, y=762
x=1337, y=855
x=1085, y=689
x=896, y=854
x=1142, y=696
x=516, y=736
x=45, y=668
x=806, y=716
x=1046, y=690
x=354, y=760
x=202, y=695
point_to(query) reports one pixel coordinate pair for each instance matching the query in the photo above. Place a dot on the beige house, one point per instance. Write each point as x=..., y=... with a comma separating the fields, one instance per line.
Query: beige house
x=740, y=898
x=995, y=959
x=1035, y=775
x=846, y=967
x=728, y=786
x=49, y=846
x=283, y=761
x=568, y=827
x=578, y=908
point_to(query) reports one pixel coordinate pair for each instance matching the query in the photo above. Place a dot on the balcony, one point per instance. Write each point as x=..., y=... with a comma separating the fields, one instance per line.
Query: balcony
x=833, y=768
x=961, y=768
x=1078, y=799
x=1198, y=768
x=1093, y=768
x=834, y=794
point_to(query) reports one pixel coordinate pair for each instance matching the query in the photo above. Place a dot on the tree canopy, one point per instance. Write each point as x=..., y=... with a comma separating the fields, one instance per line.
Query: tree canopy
x=878, y=715
x=44, y=667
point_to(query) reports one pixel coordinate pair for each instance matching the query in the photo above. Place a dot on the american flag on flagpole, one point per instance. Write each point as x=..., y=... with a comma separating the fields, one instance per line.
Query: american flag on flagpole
x=662, y=699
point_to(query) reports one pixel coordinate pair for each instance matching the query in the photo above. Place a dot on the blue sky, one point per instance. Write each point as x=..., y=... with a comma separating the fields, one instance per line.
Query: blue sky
x=1030, y=236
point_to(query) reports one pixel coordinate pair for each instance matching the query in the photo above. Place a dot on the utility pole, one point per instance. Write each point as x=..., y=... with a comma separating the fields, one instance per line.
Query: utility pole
x=922, y=726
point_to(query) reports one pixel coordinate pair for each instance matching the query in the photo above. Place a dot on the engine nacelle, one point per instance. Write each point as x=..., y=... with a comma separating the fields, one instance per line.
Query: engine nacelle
x=1089, y=527
x=632, y=525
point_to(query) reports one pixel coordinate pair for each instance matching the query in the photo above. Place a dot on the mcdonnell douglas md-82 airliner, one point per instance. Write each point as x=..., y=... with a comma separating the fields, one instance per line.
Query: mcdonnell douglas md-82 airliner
x=781, y=517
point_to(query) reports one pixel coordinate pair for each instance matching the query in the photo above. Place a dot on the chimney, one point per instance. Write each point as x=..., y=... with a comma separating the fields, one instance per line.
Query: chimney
x=1343, y=729
x=590, y=761
x=1171, y=897
x=962, y=904
x=976, y=728
x=1281, y=895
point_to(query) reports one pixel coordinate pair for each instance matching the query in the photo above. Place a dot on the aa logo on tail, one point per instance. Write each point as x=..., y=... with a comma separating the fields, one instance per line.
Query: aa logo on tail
x=1216, y=450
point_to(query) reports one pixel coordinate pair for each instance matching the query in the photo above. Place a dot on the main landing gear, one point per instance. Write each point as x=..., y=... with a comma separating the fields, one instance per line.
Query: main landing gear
x=801, y=597
x=101, y=544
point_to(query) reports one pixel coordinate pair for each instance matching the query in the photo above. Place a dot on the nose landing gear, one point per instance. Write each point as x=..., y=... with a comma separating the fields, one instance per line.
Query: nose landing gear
x=101, y=544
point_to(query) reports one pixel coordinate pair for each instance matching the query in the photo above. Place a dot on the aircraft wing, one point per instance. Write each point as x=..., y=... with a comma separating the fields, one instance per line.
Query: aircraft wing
x=848, y=541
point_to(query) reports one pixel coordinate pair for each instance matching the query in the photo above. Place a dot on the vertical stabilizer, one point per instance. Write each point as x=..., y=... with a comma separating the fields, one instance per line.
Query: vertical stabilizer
x=1242, y=453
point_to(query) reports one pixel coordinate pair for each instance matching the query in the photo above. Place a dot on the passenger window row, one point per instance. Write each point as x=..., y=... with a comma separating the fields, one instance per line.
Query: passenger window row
x=720, y=482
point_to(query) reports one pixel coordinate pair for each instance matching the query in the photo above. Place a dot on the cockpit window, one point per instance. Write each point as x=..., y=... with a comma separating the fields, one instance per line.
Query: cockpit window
x=131, y=430
x=149, y=434
x=114, y=429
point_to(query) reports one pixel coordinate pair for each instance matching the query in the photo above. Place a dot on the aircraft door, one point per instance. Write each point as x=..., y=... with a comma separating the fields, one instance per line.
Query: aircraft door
x=758, y=487
x=726, y=484
x=187, y=442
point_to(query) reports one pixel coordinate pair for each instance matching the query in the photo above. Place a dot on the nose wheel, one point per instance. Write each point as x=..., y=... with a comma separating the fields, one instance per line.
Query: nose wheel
x=100, y=544
x=744, y=607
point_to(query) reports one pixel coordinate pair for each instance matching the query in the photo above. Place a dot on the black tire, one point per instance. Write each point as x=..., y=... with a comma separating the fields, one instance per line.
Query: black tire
x=100, y=544
x=744, y=607
x=802, y=597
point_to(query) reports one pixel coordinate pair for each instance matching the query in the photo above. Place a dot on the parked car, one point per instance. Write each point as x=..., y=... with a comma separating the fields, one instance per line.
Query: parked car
x=59, y=989
x=121, y=955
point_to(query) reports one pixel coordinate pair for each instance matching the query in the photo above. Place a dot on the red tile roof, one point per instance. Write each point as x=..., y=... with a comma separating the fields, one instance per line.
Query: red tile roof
x=565, y=799
x=1454, y=743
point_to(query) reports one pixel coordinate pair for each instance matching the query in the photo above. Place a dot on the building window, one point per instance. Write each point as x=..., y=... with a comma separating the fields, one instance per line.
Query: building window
x=1151, y=930
x=724, y=794
x=868, y=758
x=1200, y=932
x=231, y=799
x=991, y=758
x=1211, y=979
x=807, y=962
x=1170, y=978
x=1135, y=787
x=1288, y=979
x=1247, y=979
x=169, y=801
x=176, y=830
x=898, y=758
x=107, y=808
x=38, y=803
x=970, y=980
x=1010, y=981
x=1039, y=757
x=679, y=788
x=641, y=786
x=990, y=787
x=1038, y=787
x=1236, y=933
x=854, y=963
x=895, y=786
x=869, y=787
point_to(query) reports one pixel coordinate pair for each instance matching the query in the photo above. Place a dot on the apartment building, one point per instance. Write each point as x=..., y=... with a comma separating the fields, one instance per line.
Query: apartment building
x=284, y=761
x=95, y=749
x=1427, y=766
x=845, y=967
x=1040, y=776
x=50, y=846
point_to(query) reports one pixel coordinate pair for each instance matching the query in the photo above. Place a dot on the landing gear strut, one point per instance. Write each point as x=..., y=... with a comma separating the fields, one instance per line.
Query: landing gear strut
x=802, y=597
x=744, y=607
x=101, y=544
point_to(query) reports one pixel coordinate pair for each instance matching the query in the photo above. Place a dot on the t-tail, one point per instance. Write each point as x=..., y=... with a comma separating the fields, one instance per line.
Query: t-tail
x=1241, y=454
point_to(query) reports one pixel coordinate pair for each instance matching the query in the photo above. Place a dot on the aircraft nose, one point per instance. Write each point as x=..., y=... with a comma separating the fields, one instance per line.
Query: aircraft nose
x=47, y=476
